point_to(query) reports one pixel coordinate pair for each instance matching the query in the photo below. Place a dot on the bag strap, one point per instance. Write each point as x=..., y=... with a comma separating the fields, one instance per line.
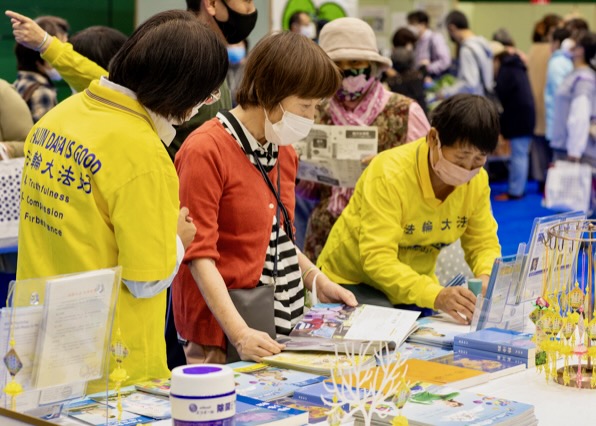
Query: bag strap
x=477, y=60
x=29, y=91
x=277, y=193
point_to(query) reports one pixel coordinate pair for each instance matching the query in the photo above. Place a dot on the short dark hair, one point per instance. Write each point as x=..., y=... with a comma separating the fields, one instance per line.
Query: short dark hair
x=54, y=25
x=28, y=59
x=468, y=119
x=287, y=64
x=295, y=18
x=457, y=19
x=543, y=27
x=403, y=37
x=418, y=17
x=172, y=62
x=98, y=43
x=588, y=43
x=403, y=59
x=561, y=34
x=503, y=37
x=577, y=24
x=193, y=5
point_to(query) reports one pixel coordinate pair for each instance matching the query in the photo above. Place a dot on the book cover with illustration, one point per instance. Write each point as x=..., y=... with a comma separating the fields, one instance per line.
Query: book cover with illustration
x=98, y=414
x=253, y=412
x=437, y=330
x=316, y=412
x=335, y=321
x=317, y=363
x=510, y=342
x=314, y=394
x=418, y=370
x=266, y=382
x=155, y=386
x=137, y=402
x=487, y=364
x=431, y=405
x=419, y=351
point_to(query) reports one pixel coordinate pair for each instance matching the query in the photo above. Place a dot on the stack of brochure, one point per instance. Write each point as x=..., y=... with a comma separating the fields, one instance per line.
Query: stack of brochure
x=431, y=405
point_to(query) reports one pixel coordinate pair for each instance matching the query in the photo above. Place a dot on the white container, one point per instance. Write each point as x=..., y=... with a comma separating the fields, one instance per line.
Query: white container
x=203, y=394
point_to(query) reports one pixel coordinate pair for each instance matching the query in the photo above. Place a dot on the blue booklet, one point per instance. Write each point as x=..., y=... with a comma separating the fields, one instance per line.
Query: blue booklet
x=463, y=351
x=265, y=382
x=438, y=330
x=431, y=405
x=252, y=412
x=487, y=363
x=509, y=342
x=98, y=414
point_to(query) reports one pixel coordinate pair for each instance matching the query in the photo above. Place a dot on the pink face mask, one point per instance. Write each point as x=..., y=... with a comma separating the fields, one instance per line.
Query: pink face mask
x=450, y=173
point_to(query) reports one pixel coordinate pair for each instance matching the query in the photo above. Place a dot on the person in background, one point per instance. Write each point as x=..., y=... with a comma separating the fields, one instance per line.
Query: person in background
x=35, y=76
x=407, y=80
x=432, y=51
x=560, y=66
x=361, y=101
x=475, y=65
x=118, y=188
x=233, y=20
x=404, y=37
x=15, y=121
x=301, y=23
x=502, y=36
x=512, y=86
x=538, y=57
x=237, y=56
x=239, y=171
x=98, y=43
x=412, y=201
x=575, y=106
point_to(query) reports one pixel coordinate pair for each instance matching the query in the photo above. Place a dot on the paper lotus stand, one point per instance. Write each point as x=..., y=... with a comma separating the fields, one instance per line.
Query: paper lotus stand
x=356, y=387
x=564, y=316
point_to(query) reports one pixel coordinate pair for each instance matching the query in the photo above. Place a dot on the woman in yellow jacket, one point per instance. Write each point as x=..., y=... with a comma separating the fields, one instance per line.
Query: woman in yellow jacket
x=413, y=200
x=97, y=159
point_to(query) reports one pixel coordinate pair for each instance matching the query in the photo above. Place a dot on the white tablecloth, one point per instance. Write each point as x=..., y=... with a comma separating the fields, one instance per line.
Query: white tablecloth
x=554, y=405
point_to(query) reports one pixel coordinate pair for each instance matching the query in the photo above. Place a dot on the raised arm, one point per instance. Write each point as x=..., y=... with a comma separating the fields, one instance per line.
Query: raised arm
x=77, y=70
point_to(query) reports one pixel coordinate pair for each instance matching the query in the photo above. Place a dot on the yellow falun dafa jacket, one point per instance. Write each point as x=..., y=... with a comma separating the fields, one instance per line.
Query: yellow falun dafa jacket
x=390, y=234
x=96, y=163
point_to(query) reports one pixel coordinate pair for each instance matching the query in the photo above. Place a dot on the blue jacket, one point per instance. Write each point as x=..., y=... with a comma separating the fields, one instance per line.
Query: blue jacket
x=514, y=92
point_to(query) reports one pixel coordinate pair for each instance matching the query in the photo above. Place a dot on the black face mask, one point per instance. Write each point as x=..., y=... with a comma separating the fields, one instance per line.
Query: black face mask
x=238, y=26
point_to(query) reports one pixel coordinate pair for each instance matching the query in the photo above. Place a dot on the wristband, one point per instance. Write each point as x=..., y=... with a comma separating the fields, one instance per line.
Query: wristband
x=45, y=38
x=308, y=271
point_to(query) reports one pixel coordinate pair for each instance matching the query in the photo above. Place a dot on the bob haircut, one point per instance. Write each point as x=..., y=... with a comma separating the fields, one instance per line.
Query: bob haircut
x=469, y=120
x=98, y=43
x=287, y=64
x=172, y=62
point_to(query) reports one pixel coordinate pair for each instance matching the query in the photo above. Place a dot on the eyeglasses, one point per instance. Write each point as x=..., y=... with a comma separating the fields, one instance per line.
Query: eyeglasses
x=213, y=97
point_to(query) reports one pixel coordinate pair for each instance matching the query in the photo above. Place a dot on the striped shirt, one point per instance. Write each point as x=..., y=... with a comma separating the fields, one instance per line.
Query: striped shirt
x=289, y=288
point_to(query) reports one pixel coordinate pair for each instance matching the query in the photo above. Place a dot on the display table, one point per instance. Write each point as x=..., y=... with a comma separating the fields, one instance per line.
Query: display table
x=553, y=404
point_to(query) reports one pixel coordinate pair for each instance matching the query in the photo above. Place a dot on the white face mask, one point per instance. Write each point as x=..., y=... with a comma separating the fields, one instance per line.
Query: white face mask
x=191, y=114
x=290, y=129
x=53, y=74
x=309, y=31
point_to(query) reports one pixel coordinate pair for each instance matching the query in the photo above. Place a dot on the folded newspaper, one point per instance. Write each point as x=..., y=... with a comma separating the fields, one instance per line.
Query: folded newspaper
x=333, y=155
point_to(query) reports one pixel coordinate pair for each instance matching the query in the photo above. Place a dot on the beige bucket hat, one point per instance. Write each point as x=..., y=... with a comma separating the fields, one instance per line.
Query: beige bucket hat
x=351, y=39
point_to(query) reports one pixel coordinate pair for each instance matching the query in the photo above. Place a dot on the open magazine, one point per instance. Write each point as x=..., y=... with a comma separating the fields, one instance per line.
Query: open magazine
x=333, y=155
x=328, y=326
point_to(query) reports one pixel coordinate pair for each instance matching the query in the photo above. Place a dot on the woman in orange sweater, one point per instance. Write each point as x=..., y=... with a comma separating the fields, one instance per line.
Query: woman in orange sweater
x=239, y=172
